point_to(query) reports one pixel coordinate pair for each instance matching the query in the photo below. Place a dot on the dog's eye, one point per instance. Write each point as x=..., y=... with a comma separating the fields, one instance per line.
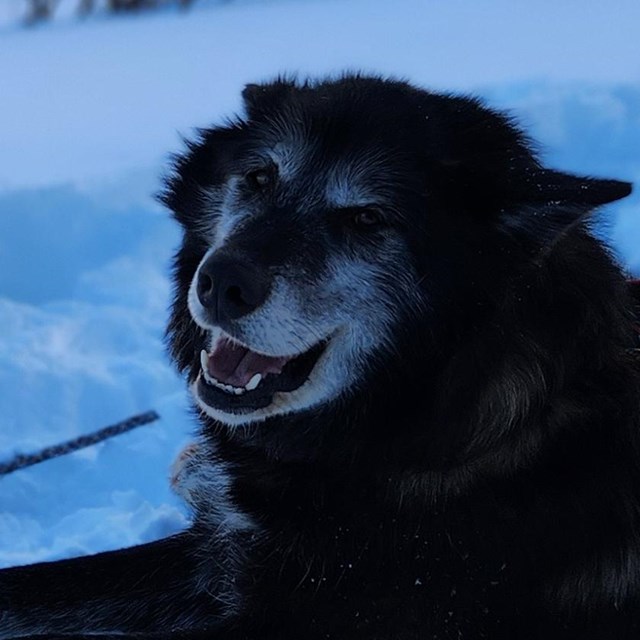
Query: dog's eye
x=366, y=218
x=260, y=178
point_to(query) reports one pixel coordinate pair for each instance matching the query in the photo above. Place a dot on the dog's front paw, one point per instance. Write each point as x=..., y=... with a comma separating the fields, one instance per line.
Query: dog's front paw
x=182, y=471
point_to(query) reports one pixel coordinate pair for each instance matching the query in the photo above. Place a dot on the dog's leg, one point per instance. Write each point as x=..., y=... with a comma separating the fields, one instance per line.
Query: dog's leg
x=154, y=587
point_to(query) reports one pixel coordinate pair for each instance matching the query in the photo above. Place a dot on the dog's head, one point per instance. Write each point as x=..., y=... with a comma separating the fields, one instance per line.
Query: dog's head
x=331, y=215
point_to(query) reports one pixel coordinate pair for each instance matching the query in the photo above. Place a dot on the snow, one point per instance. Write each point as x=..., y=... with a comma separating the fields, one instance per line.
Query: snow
x=90, y=111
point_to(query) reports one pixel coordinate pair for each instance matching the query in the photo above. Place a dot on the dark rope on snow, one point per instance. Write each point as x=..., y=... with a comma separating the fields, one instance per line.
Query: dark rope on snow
x=26, y=460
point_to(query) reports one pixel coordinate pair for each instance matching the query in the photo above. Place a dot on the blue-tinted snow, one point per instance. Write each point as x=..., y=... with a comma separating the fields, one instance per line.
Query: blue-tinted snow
x=88, y=113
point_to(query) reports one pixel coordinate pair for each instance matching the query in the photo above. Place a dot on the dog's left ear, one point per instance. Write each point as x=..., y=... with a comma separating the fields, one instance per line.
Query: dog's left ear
x=553, y=202
x=261, y=98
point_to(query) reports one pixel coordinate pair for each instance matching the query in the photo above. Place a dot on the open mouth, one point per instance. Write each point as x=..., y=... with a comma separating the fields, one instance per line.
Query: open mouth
x=235, y=379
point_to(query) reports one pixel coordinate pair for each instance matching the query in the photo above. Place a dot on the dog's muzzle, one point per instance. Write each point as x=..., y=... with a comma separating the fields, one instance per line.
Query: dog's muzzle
x=234, y=378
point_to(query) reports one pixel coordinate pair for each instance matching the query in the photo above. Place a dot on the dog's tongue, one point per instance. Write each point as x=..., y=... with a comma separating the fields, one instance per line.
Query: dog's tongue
x=234, y=364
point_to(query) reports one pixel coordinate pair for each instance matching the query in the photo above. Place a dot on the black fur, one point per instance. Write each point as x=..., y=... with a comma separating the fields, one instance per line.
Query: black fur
x=482, y=482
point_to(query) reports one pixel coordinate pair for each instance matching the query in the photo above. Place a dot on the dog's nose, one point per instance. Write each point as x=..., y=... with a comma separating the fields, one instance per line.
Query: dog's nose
x=229, y=289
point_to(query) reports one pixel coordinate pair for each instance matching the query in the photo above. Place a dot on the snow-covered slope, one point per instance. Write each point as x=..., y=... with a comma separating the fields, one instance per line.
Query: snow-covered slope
x=89, y=112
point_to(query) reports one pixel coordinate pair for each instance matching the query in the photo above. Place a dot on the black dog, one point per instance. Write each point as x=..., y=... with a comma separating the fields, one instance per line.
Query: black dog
x=420, y=410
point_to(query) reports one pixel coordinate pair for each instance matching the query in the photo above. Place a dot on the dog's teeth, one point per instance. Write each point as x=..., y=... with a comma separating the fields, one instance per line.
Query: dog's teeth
x=230, y=388
x=209, y=380
x=254, y=382
x=204, y=360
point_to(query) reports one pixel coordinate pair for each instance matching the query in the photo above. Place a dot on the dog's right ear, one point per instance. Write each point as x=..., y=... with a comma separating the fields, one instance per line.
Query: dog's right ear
x=554, y=202
x=547, y=185
x=261, y=98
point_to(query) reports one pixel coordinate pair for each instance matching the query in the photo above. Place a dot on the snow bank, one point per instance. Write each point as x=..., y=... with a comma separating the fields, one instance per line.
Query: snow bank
x=84, y=298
